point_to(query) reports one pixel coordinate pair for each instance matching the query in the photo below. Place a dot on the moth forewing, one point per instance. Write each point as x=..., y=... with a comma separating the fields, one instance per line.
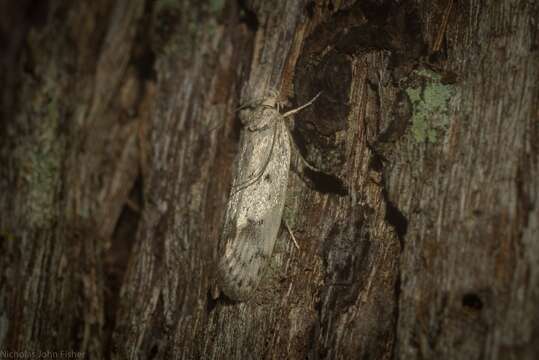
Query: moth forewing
x=255, y=207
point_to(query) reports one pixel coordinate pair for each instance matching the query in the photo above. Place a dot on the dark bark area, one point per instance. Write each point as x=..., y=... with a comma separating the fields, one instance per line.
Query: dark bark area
x=418, y=237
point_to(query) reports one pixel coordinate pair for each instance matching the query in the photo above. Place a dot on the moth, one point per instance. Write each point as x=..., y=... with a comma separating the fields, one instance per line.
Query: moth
x=255, y=206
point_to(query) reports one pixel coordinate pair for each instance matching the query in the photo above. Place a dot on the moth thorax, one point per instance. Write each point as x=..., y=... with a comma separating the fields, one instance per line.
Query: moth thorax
x=270, y=102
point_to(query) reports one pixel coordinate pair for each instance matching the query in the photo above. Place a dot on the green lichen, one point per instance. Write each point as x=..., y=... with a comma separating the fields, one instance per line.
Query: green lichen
x=179, y=28
x=428, y=74
x=430, y=101
x=216, y=5
x=290, y=211
x=166, y=4
x=42, y=157
x=289, y=216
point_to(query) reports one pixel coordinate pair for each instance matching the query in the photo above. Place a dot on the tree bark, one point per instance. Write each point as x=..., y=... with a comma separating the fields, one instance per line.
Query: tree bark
x=418, y=236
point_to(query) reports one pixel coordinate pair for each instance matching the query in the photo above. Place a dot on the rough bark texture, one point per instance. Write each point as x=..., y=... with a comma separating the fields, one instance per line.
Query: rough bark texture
x=419, y=237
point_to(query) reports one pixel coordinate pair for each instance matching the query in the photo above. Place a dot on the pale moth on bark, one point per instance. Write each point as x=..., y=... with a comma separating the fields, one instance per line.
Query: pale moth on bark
x=255, y=206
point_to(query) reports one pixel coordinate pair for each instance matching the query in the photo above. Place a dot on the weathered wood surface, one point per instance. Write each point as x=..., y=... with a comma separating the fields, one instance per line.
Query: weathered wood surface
x=419, y=239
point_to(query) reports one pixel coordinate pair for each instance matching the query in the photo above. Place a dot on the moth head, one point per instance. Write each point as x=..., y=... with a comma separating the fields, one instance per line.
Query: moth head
x=272, y=99
x=269, y=100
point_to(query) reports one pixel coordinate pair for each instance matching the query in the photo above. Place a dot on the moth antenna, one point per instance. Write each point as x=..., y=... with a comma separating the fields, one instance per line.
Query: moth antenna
x=296, y=110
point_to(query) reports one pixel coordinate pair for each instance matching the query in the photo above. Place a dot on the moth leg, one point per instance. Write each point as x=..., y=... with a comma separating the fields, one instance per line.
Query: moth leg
x=215, y=292
x=291, y=234
x=292, y=112
x=305, y=162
